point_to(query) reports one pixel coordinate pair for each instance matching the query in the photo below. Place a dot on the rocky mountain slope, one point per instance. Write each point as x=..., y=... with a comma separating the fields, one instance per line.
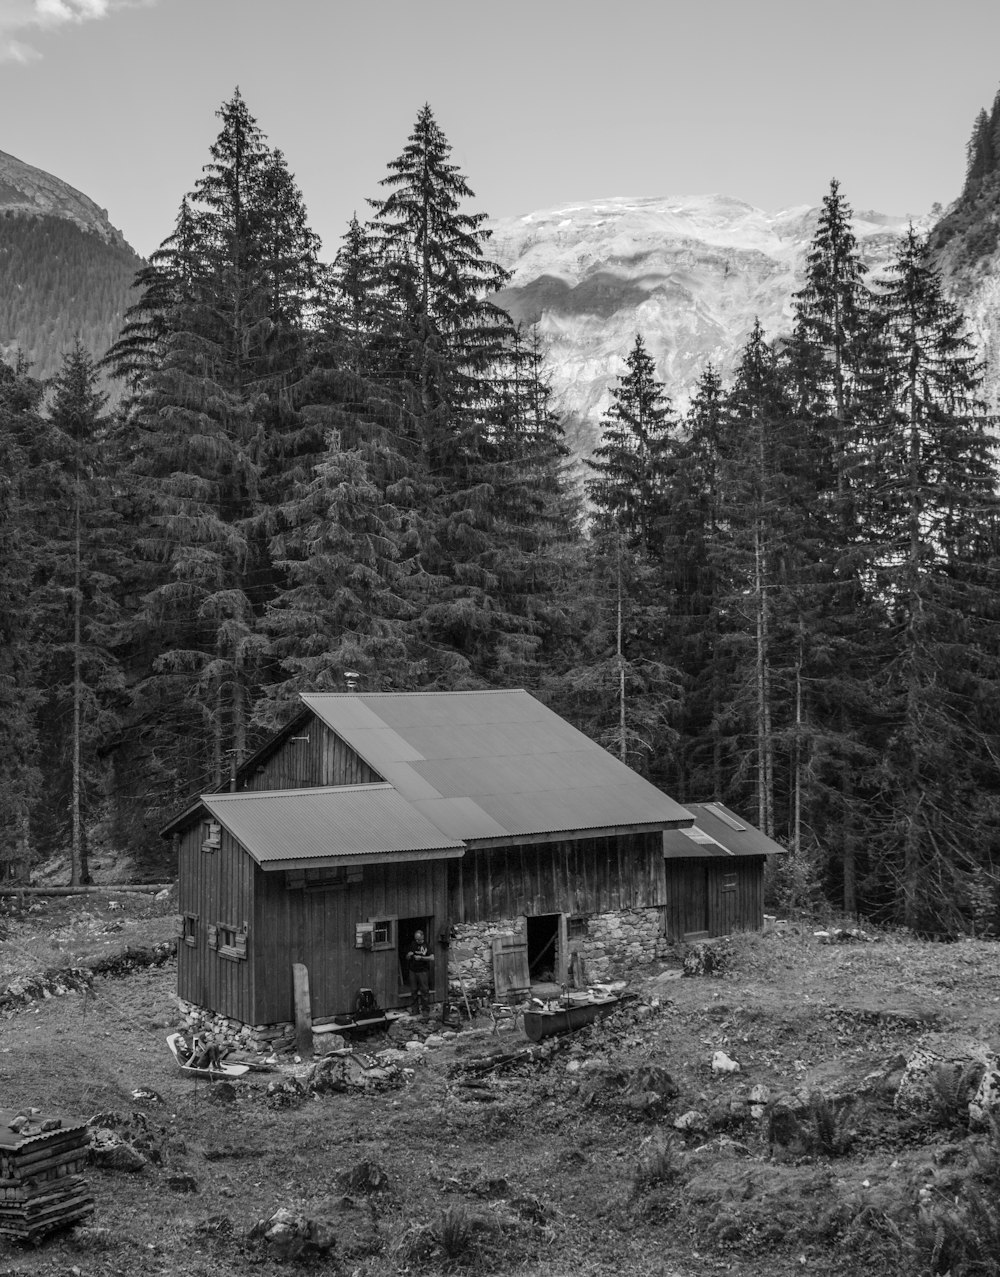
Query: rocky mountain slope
x=691, y=273
x=25, y=189
x=65, y=271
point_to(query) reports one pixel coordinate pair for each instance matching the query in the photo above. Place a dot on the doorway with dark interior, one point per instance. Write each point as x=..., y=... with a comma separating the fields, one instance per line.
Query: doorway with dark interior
x=407, y=928
x=543, y=948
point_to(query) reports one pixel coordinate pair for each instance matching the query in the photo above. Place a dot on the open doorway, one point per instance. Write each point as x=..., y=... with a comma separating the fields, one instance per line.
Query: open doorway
x=543, y=948
x=407, y=929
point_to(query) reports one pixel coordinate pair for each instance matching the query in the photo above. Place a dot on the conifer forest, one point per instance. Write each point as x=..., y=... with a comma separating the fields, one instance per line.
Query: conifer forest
x=784, y=597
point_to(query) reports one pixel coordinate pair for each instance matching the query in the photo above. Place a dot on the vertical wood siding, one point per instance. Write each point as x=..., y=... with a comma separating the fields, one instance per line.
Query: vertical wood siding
x=713, y=896
x=317, y=928
x=218, y=887
x=585, y=875
x=323, y=759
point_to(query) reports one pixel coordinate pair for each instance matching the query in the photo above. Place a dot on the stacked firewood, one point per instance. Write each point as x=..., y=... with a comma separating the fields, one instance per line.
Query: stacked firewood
x=41, y=1185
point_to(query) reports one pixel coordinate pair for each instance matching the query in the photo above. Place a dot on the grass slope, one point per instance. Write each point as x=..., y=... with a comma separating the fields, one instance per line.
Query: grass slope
x=568, y=1165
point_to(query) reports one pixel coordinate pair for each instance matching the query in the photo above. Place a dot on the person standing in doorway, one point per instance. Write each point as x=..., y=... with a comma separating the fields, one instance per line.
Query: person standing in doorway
x=418, y=965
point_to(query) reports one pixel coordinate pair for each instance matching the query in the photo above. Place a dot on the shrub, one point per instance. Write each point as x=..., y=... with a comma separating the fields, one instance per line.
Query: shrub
x=957, y=1241
x=660, y=1166
x=950, y=1088
x=826, y=1128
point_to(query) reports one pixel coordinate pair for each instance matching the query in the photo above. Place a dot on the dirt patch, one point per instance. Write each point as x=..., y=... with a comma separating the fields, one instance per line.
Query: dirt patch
x=490, y=1157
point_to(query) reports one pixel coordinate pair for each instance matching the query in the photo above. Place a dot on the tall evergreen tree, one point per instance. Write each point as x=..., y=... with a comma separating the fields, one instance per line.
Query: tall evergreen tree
x=938, y=690
x=451, y=354
x=214, y=439
x=629, y=680
x=77, y=612
x=20, y=777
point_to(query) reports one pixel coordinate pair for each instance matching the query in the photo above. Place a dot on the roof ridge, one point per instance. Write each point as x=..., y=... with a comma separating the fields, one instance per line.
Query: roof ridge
x=301, y=789
x=469, y=691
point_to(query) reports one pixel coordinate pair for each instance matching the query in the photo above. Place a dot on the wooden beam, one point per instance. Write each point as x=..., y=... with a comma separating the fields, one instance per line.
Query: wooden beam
x=303, y=1011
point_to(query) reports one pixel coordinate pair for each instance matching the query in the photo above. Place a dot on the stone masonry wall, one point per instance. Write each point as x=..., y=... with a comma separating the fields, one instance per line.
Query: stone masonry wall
x=221, y=1030
x=613, y=943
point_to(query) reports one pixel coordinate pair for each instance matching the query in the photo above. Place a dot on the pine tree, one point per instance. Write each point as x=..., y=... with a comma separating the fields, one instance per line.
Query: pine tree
x=628, y=667
x=939, y=688
x=20, y=777
x=451, y=355
x=76, y=612
x=694, y=553
x=216, y=442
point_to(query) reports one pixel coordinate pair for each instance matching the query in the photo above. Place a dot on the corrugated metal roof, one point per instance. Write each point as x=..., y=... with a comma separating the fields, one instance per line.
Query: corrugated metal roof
x=352, y=822
x=717, y=832
x=496, y=764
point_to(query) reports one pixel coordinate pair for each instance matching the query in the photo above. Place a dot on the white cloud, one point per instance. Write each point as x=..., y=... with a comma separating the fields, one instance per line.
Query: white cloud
x=21, y=17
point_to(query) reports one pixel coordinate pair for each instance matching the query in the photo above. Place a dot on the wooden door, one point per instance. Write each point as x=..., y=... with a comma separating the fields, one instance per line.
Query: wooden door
x=511, y=981
x=725, y=915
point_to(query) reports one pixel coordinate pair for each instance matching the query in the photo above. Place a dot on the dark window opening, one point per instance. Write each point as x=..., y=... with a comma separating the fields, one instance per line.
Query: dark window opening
x=577, y=926
x=230, y=940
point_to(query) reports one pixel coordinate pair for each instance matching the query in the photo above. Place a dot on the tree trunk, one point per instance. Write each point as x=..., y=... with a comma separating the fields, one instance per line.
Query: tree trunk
x=78, y=854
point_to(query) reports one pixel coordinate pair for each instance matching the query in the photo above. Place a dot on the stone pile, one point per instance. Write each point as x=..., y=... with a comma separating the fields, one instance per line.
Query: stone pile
x=42, y=1188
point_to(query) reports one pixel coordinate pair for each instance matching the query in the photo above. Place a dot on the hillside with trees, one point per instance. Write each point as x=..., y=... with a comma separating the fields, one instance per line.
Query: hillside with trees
x=59, y=284
x=782, y=598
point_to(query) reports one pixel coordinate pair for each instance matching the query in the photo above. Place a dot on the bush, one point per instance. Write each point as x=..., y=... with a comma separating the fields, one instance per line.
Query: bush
x=957, y=1241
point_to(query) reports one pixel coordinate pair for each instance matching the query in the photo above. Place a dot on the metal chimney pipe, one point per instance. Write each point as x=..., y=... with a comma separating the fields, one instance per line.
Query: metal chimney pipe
x=351, y=678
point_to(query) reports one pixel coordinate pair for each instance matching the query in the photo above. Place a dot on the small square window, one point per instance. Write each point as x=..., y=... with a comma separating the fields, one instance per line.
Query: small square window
x=230, y=940
x=383, y=933
x=190, y=932
x=577, y=926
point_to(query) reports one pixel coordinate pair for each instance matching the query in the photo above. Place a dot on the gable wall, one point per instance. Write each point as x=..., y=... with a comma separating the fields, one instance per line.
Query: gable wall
x=586, y=875
x=217, y=886
x=317, y=928
x=323, y=759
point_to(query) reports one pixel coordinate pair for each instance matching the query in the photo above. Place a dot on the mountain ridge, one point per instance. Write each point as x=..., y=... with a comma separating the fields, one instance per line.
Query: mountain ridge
x=690, y=272
x=26, y=190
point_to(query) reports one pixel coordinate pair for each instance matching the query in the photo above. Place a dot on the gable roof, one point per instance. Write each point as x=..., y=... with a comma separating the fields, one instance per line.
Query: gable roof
x=309, y=827
x=717, y=832
x=493, y=765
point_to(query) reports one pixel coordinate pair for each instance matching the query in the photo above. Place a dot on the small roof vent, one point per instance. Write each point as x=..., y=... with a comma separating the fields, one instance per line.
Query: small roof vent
x=351, y=679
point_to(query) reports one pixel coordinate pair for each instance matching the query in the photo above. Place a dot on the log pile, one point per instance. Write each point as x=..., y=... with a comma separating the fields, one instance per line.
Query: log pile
x=41, y=1185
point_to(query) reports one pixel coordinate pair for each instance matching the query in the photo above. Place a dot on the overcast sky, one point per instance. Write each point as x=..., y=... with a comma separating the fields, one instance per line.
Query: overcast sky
x=544, y=101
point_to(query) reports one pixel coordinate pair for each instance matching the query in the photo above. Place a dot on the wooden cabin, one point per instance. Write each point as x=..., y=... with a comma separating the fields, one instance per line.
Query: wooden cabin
x=465, y=815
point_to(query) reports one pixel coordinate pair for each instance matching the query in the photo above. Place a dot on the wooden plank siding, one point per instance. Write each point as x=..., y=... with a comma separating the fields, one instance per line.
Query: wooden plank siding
x=317, y=928
x=715, y=897
x=322, y=759
x=216, y=886
x=585, y=875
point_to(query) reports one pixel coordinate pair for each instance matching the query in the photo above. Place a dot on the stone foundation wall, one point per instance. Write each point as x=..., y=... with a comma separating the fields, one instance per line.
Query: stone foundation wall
x=612, y=944
x=221, y=1030
x=470, y=958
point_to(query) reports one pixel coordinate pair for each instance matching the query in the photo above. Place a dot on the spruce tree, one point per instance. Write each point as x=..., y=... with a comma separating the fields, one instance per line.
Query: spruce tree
x=215, y=442
x=629, y=681
x=938, y=690
x=77, y=613
x=20, y=570
x=450, y=354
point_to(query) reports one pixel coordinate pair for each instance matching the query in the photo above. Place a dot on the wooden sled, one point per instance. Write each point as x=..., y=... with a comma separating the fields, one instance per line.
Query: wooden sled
x=217, y=1074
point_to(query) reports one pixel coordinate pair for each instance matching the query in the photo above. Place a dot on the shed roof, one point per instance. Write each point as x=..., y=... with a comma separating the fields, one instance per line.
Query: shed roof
x=717, y=832
x=349, y=825
x=493, y=765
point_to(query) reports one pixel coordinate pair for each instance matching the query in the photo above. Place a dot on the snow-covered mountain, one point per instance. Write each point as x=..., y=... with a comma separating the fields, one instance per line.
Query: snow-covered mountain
x=690, y=273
